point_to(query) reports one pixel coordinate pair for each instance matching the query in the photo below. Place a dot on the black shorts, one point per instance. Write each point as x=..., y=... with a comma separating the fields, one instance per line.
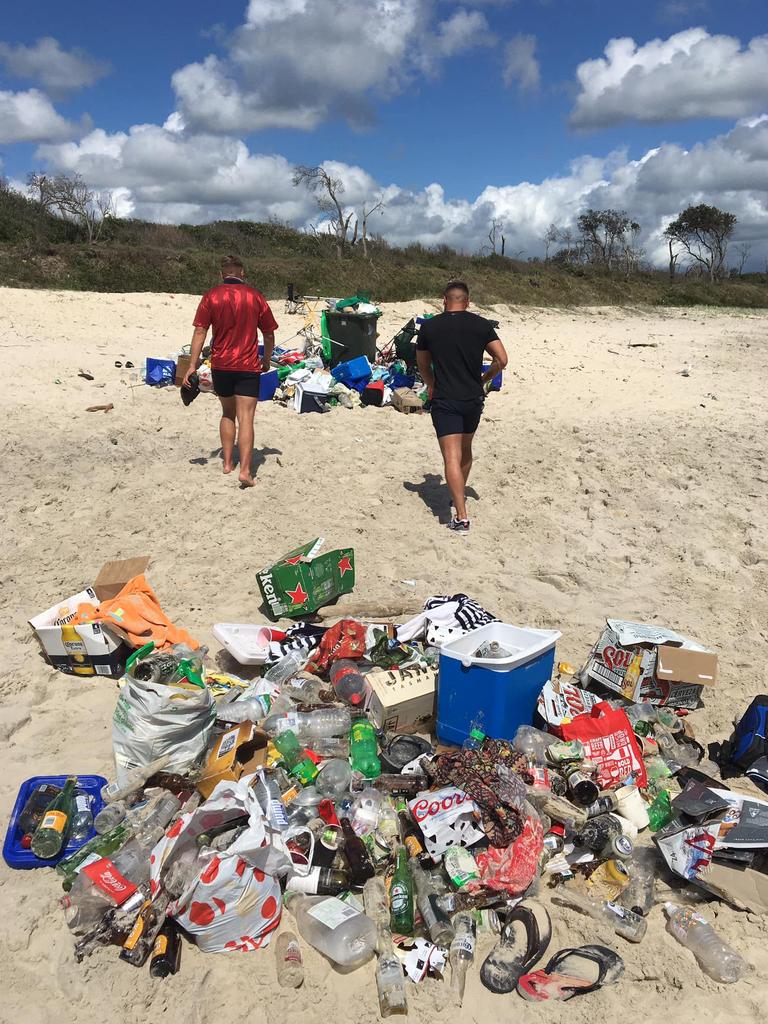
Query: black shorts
x=456, y=416
x=227, y=383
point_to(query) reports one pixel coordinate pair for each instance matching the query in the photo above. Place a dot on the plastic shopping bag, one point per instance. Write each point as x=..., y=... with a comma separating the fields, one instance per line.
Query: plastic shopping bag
x=234, y=902
x=609, y=740
x=151, y=720
x=512, y=870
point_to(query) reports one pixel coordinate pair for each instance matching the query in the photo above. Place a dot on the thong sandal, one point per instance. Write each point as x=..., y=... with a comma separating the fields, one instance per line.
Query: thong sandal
x=523, y=942
x=572, y=972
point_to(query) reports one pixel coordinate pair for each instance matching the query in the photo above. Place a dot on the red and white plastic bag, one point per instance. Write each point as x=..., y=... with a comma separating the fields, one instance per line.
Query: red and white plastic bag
x=234, y=901
x=609, y=740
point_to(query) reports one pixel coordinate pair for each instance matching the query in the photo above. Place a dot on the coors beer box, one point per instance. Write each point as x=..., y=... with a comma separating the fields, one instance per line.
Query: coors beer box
x=650, y=663
x=304, y=580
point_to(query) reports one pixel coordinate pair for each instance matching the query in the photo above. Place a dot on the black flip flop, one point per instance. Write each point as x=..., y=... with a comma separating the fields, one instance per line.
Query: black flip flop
x=572, y=972
x=189, y=394
x=524, y=941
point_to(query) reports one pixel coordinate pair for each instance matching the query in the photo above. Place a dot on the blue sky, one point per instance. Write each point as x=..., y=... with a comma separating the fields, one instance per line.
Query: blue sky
x=474, y=96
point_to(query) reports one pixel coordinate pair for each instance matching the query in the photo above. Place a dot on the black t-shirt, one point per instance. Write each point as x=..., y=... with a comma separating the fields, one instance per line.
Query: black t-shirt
x=456, y=342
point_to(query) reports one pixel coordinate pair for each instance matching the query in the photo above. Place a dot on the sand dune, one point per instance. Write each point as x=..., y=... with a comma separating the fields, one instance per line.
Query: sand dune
x=606, y=483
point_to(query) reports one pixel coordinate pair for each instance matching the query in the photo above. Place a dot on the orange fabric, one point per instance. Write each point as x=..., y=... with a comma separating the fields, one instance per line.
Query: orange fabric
x=136, y=613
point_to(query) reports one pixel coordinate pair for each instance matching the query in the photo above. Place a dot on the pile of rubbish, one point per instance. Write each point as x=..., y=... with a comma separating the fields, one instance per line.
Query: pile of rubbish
x=337, y=363
x=399, y=790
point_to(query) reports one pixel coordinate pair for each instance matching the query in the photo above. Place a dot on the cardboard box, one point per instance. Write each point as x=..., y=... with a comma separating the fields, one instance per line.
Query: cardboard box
x=407, y=400
x=182, y=365
x=96, y=650
x=402, y=700
x=114, y=575
x=304, y=580
x=626, y=658
x=559, y=700
x=238, y=751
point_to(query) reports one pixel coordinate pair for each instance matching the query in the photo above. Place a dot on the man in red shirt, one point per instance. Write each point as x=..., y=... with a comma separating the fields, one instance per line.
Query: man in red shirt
x=236, y=312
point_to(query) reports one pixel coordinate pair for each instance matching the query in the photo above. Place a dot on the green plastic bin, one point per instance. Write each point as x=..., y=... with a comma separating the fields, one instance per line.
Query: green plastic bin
x=351, y=335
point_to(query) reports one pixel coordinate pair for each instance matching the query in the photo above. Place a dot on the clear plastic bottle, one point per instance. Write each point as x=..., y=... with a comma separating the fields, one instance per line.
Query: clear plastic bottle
x=306, y=690
x=285, y=669
x=462, y=951
x=365, y=811
x=82, y=821
x=715, y=957
x=624, y=922
x=334, y=928
x=348, y=682
x=109, y=816
x=476, y=736
x=320, y=724
x=333, y=778
x=158, y=814
x=247, y=709
x=533, y=743
x=290, y=967
x=87, y=902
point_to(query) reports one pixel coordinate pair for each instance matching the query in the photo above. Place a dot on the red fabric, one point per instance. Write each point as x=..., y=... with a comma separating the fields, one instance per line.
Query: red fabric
x=344, y=640
x=609, y=740
x=236, y=312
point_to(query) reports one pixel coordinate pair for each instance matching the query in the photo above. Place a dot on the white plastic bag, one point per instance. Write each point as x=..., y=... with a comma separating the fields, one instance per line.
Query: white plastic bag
x=234, y=902
x=151, y=720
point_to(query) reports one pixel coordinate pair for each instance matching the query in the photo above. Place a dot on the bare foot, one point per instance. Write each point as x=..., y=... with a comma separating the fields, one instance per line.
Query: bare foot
x=246, y=480
x=228, y=469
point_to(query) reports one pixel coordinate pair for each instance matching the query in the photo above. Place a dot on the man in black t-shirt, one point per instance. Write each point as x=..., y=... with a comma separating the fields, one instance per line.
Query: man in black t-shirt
x=450, y=354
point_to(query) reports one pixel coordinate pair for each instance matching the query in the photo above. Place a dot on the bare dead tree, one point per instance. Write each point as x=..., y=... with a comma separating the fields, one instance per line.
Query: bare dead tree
x=494, y=234
x=377, y=207
x=673, y=257
x=327, y=191
x=743, y=252
x=72, y=199
x=552, y=237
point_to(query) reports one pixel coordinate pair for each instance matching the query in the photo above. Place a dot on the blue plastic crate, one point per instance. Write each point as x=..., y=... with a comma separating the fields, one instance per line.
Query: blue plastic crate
x=498, y=694
x=14, y=854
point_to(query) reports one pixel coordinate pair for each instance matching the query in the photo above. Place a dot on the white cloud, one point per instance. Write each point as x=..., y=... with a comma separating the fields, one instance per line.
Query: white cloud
x=674, y=10
x=170, y=176
x=521, y=67
x=30, y=117
x=692, y=74
x=60, y=72
x=294, y=64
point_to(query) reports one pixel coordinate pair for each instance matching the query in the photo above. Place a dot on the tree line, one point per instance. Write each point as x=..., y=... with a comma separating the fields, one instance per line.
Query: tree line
x=698, y=240
x=609, y=240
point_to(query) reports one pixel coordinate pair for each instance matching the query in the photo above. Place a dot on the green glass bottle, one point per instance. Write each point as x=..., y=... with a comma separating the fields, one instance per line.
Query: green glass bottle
x=401, y=896
x=51, y=835
x=100, y=846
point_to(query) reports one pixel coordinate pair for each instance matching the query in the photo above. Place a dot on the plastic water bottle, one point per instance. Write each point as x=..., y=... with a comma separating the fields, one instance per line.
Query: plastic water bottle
x=82, y=821
x=348, y=682
x=716, y=958
x=320, y=724
x=109, y=816
x=251, y=709
x=533, y=743
x=462, y=952
x=334, y=928
x=290, y=967
x=286, y=668
x=476, y=735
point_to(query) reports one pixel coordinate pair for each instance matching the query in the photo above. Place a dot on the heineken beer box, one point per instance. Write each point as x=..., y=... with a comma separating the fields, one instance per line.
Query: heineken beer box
x=304, y=580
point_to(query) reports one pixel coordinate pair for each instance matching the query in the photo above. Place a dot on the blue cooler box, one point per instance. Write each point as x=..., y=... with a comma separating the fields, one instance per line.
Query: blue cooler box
x=498, y=694
x=268, y=386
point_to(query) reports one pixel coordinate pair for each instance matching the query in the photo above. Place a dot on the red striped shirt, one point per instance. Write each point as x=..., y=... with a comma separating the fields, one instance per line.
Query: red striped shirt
x=236, y=312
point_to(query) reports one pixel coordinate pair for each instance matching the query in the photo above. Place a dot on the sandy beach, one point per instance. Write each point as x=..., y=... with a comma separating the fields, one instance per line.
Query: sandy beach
x=607, y=483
